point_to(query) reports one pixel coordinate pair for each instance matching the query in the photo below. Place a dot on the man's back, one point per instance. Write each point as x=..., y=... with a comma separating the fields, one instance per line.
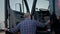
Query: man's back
x=28, y=27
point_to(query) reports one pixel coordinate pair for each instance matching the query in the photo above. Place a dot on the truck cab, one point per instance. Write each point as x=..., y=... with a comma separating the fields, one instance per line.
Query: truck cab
x=15, y=15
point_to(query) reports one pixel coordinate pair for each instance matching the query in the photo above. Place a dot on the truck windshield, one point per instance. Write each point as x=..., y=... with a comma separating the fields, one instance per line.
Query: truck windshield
x=41, y=4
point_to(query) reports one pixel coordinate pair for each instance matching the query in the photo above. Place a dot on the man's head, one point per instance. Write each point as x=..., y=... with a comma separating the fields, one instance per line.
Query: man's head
x=27, y=15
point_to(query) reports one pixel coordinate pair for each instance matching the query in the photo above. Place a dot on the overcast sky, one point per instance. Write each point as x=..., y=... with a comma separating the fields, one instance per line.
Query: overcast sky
x=40, y=4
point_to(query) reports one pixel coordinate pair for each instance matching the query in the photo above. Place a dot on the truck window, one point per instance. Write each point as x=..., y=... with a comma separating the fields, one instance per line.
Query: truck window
x=42, y=4
x=16, y=4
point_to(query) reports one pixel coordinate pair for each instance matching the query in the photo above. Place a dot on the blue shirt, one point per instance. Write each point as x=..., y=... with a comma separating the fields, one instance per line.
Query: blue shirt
x=27, y=26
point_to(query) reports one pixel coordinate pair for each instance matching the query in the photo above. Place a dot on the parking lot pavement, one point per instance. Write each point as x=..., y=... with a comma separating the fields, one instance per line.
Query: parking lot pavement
x=2, y=32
